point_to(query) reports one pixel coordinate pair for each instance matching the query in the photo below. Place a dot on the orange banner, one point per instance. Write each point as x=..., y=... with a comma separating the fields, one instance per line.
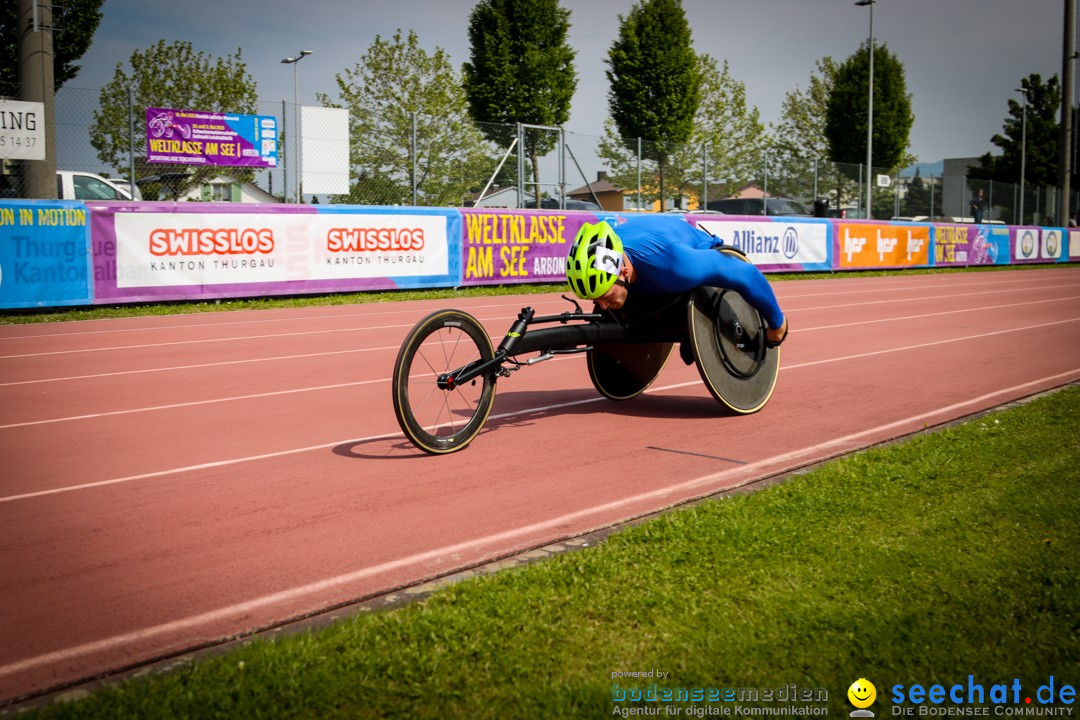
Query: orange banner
x=869, y=245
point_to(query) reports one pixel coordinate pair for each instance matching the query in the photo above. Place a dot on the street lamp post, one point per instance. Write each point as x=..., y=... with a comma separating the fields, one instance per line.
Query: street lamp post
x=296, y=116
x=1023, y=150
x=870, y=110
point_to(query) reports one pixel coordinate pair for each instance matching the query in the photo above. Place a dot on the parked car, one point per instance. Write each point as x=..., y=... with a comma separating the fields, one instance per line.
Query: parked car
x=125, y=185
x=74, y=185
x=759, y=206
x=850, y=213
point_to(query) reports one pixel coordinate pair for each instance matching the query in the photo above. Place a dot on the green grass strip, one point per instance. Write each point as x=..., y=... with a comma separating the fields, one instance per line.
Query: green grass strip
x=954, y=553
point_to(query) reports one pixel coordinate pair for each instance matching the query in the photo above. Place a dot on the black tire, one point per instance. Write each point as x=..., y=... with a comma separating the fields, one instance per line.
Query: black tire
x=622, y=371
x=727, y=337
x=442, y=421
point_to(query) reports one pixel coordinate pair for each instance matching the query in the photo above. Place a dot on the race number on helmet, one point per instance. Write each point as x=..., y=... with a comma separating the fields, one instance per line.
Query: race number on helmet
x=594, y=260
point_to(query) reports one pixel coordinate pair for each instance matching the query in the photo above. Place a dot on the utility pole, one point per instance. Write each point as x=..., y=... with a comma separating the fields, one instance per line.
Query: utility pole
x=35, y=26
x=1065, y=154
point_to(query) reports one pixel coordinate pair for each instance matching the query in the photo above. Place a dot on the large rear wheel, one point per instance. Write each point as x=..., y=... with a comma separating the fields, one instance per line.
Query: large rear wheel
x=727, y=336
x=436, y=419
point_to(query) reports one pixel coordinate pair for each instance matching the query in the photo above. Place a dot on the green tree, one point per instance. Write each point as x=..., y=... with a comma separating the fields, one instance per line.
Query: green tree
x=917, y=198
x=725, y=127
x=75, y=22
x=799, y=150
x=170, y=76
x=655, y=80
x=396, y=83
x=520, y=70
x=728, y=128
x=1043, y=134
x=800, y=134
x=846, y=111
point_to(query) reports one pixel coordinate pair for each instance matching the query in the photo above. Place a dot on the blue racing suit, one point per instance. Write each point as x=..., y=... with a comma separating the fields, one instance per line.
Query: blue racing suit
x=670, y=255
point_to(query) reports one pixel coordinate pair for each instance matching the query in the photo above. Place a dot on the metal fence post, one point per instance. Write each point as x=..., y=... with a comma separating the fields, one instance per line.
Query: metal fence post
x=562, y=169
x=285, y=166
x=412, y=150
x=639, y=174
x=866, y=213
x=520, y=166
x=131, y=138
x=765, y=167
x=705, y=176
x=896, y=205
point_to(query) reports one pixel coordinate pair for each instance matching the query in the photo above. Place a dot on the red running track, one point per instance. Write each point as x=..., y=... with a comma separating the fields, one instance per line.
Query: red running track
x=169, y=482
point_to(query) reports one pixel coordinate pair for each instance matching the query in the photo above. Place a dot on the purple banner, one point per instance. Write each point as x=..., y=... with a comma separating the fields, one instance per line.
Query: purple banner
x=1038, y=244
x=517, y=246
x=963, y=245
x=191, y=137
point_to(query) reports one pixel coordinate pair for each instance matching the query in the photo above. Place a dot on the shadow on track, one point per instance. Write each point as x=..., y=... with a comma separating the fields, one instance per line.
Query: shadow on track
x=523, y=408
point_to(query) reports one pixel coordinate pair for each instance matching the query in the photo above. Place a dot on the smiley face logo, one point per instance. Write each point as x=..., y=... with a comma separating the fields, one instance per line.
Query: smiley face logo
x=862, y=693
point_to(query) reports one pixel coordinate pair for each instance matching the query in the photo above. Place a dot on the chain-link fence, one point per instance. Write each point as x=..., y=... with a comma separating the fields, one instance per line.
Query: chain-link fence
x=409, y=159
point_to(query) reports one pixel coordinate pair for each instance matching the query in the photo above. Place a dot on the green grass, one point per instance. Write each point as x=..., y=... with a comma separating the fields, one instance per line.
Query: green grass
x=954, y=553
x=39, y=315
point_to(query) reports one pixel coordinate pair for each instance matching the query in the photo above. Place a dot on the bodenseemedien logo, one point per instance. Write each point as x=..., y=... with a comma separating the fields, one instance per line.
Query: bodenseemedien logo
x=862, y=694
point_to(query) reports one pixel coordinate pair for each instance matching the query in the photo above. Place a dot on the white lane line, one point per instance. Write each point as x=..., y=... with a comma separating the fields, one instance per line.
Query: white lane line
x=220, y=340
x=226, y=324
x=701, y=485
x=336, y=352
x=885, y=288
x=484, y=320
x=324, y=387
x=198, y=365
x=893, y=301
x=527, y=411
x=173, y=406
x=873, y=321
x=203, y=341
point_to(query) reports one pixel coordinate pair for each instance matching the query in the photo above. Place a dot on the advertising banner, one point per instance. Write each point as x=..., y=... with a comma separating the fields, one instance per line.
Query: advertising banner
x=517, y=246
x=779, y=244
x=226, y=251
x=1026, y=244
x=1051, y=245
x=191, y=137
x=876, y=245
x=44, y=254
x=22, y=130
x=963, y=245
x=325, y=157
x=1074, y=245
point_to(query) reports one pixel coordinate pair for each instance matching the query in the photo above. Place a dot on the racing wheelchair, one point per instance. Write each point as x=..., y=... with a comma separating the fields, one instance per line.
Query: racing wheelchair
x=445, y=373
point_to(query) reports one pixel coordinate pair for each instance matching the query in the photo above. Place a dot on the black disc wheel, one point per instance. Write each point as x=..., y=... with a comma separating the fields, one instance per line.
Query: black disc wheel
x=441, y=417
x=728, y=340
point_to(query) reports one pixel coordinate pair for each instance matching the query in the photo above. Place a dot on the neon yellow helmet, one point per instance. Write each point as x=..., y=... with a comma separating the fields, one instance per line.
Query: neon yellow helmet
x=594, y=260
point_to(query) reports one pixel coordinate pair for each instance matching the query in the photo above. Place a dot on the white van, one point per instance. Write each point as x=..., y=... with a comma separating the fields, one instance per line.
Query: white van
x=74, y=185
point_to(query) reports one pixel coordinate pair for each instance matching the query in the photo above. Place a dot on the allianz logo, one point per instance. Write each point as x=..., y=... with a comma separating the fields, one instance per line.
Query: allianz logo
x=750, y=241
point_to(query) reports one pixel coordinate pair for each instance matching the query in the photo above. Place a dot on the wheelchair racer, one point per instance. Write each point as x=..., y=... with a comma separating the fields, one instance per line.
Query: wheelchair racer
x=663, y=254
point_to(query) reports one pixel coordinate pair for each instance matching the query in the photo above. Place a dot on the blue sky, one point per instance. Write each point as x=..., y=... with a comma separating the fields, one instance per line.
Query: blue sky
x=963, y=58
